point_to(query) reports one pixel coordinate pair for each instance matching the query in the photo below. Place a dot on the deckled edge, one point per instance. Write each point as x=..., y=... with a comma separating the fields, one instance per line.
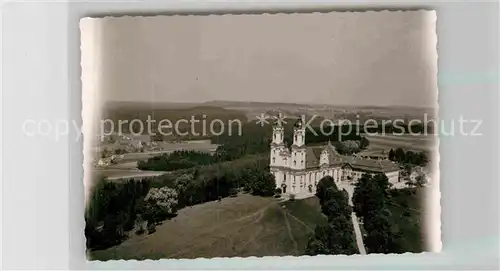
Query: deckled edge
x=434, y=224
x=90, y=89
x=250, y=258
x=257, y=13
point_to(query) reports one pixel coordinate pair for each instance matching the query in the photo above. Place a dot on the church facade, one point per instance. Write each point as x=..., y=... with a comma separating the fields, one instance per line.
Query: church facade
x=298, y=169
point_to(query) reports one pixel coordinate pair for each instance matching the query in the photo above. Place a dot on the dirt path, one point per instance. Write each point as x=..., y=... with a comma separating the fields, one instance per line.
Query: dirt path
x=259, y=229
x=289, y=229
x=301, y=222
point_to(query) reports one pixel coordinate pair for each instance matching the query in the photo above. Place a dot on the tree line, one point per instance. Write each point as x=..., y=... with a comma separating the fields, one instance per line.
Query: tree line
x=176, y=160
x=116, y=208
x=409, y=157
x=336, y=236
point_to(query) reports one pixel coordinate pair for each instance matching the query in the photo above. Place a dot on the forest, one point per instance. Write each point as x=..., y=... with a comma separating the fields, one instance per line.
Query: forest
x=337, y=236
x=391, y=217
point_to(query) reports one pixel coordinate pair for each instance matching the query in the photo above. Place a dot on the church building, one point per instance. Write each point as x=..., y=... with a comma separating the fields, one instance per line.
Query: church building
x=298, y=169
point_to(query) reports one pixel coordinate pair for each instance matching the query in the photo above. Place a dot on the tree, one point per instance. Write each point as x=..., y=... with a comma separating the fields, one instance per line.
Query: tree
x=370, y=194
x=336, y=205
x=382, y=236
x=262, y=183
x=364, y=143
x=317, y=247
x=182, y=186
x=164, y=198
x=160, y=203
x=347, y=147
x=322, y=188
x=399, y=155
x=422, y=159
x=392, y=155
x=336, y=237
x=319, y=243
x=343, y=241
x=410, y=158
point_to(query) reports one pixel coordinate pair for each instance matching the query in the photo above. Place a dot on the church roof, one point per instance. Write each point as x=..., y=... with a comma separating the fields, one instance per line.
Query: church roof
x=313, y=154
x=379, y=153
x=312, y=157
x=373, y=165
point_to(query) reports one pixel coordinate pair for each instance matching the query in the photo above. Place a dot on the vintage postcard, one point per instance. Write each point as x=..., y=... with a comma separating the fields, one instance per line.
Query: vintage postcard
x=260, y=135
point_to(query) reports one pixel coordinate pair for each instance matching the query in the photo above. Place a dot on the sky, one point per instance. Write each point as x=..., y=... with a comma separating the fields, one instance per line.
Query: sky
x=340, y=58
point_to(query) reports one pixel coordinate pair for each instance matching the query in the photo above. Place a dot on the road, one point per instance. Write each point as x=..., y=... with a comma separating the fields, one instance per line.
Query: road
x=355, y=222
x=359, y=235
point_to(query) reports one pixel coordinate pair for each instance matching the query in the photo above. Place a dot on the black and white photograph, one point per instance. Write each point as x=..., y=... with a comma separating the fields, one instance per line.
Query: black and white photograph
x=241, y=135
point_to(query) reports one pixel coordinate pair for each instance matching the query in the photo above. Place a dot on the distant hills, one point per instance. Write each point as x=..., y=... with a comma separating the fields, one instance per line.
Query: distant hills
x=223, y=103
x=249, y=110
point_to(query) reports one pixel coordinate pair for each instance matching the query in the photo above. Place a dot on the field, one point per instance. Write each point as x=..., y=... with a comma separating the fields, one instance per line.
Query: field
x=125, y=174
x=242, y=226
x=407, y=142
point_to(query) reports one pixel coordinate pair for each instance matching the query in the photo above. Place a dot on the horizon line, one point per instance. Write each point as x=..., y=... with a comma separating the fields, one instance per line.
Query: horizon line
x=273, y=102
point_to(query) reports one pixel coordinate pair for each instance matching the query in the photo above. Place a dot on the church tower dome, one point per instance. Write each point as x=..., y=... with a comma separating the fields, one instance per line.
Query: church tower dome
x=299, y=133
x=278, y=133
x=298, y=124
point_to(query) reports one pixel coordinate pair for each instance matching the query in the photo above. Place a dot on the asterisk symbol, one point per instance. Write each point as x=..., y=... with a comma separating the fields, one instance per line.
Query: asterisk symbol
x=280, y=118
x=262, y=119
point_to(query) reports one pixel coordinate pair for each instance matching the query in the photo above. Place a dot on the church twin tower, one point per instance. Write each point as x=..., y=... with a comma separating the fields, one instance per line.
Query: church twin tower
x=292, y=173
x=284, y=161
x=281, y=155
